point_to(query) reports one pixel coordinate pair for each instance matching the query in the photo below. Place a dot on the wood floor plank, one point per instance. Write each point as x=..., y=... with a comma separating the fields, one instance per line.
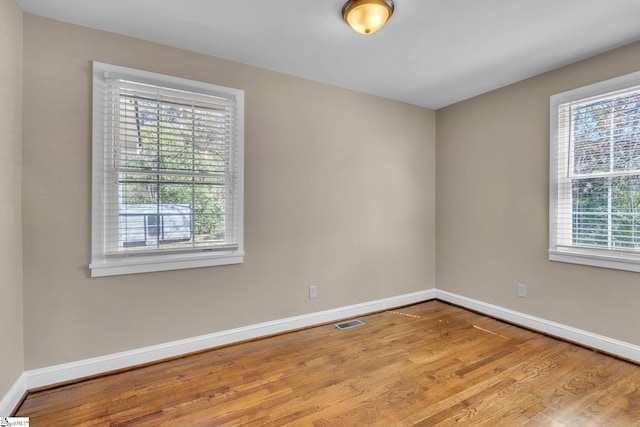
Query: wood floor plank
x=427, y=364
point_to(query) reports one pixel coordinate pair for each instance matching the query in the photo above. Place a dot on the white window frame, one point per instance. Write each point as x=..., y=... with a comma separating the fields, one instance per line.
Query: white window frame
x=104, y=186
x=560, y=229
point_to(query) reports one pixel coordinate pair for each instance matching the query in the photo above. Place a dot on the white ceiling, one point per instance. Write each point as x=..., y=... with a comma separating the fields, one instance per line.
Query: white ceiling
x=431, y=53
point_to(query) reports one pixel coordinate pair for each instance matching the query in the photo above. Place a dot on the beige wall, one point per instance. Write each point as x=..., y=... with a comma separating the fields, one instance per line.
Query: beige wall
x=339, y=193
x=11, y=330
x=492, y=206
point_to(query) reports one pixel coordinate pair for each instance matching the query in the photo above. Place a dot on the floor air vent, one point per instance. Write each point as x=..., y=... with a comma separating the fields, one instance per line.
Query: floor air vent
x=350, y=324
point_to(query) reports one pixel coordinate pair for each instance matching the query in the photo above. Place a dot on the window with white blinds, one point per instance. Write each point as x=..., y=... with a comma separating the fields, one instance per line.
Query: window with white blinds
x=167, y=173
x=595, y=175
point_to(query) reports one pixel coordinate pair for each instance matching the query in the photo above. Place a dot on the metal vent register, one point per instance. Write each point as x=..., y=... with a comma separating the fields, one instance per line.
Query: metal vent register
x=350, y=324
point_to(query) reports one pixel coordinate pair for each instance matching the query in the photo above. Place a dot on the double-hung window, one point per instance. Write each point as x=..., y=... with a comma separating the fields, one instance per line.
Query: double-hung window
x=167, y=190
x=594, y=216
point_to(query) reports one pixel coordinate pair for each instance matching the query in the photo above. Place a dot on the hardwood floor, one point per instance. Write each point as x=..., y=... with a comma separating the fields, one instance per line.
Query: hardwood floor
x=428, y=364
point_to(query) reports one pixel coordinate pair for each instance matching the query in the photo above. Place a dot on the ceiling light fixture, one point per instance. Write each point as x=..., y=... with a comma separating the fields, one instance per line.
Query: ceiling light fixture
x=367, y=16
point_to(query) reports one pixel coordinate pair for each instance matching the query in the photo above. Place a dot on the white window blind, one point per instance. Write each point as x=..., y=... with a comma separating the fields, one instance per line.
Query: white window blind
x=167, y=172
x=595, y=175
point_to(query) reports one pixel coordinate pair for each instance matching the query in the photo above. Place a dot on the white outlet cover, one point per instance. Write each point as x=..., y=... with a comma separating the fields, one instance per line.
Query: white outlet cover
x=521, y=290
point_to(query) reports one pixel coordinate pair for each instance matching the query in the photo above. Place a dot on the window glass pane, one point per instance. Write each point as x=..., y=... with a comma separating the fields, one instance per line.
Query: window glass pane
x=591, y=138
x=625, y=213
x=606, y=212
x=210, y=207
x=626, y=133
x=590, y=216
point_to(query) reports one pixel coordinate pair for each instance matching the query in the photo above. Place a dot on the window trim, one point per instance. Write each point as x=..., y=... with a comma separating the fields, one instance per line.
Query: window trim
x=619, y=260
x=103, y=265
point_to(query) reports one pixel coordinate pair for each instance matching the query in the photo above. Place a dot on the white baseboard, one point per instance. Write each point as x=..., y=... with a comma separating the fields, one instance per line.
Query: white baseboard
x=83, y=368
x=13, y=396
x=70, y=371
x=608, y=345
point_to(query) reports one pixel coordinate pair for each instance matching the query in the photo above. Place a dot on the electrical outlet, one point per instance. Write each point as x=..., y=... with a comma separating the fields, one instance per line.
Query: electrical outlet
x=313, y=291
x=521, y=290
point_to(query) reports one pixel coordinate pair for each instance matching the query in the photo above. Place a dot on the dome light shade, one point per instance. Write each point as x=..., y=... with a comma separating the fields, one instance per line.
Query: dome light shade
x=367, y=16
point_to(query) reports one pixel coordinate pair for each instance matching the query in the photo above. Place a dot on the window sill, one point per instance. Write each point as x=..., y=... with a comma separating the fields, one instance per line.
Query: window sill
x=616, y=262
x=163, y=263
